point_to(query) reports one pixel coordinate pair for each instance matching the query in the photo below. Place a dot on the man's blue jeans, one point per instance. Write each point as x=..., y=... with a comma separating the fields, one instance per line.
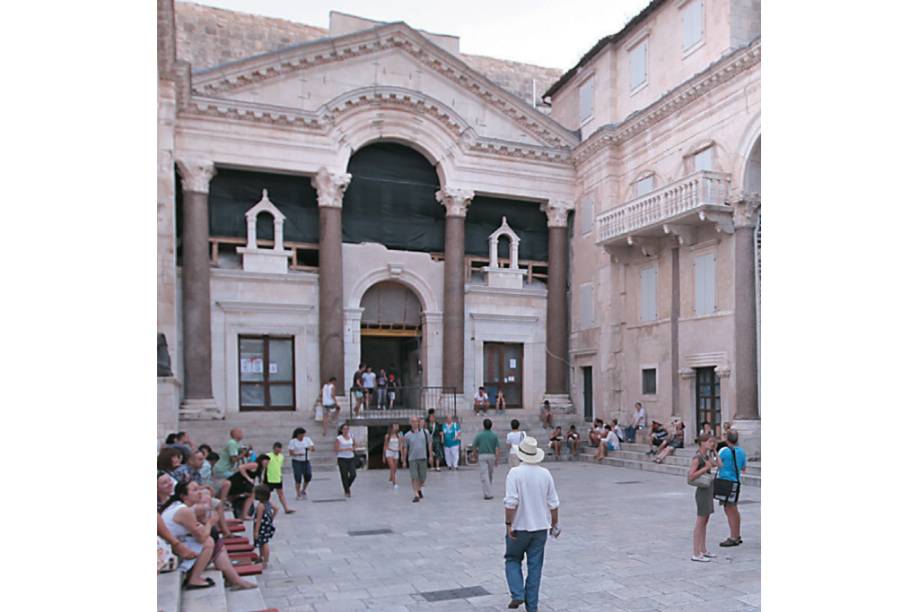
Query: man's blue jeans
x=630, y=434
x=531, y=543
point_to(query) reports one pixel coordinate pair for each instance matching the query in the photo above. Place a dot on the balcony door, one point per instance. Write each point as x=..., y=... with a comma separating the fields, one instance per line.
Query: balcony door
x=504, y=370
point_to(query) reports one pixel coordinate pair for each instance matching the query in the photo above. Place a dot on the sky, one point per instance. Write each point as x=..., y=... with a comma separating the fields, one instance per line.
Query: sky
x=549, y=33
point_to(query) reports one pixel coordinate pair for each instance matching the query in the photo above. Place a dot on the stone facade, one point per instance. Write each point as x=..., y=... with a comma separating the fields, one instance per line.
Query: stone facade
x=653, y=176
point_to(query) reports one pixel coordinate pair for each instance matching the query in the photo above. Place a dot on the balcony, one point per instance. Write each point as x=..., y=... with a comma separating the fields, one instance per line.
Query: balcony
x=674, y=210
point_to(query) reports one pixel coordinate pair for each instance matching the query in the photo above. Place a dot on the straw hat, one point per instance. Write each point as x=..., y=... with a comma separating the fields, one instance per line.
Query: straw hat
x=529, y=452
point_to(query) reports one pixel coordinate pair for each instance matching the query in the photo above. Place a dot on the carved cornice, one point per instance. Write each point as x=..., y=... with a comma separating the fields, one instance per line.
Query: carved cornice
x=330, y=188
x=245, y=73
x=456, y=201
x=327, y=117
x=557, y=212
x=746, y=209
x=684, y=95
x=196, y=174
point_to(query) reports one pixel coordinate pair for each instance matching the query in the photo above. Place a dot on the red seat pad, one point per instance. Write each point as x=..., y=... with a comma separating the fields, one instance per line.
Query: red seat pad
x=236, y=540
x=249, y=570
x=231, y=548
x=236, y=527
x=242, y=556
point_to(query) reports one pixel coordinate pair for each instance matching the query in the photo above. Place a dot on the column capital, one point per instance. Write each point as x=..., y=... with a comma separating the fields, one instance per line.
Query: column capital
x=557, y=212
x=455, y=200
x=196, y=174
x=746, y=209
x=330, y=187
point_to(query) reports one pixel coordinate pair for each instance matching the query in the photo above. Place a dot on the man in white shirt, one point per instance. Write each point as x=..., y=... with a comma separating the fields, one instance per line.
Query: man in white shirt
x=637, y=422
x=530, y=503
x=514, y=437
x=328, y=404
x=480, y=401
x=370, y=384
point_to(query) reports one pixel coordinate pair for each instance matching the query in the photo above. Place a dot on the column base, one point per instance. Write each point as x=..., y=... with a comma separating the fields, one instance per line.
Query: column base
x=206, y=409
x=749, y=431
x=559, y=402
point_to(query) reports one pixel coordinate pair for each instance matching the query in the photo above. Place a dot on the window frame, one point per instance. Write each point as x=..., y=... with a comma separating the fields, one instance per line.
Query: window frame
x=641, y=293
x=643, y=41
x=684, y=11
x=266, y=382
x=714, y=282
x=587, y=220
x=642, y=178
x=588, y=80
x=586, y=290
x=642, y=370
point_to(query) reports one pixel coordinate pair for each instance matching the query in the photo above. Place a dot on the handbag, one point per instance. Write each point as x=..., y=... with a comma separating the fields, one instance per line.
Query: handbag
x=726, y=490
x=703, y=481
x=318, y=416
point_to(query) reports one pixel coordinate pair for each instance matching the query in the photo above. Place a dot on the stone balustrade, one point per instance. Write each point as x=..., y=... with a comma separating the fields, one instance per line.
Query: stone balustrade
x=668, y=203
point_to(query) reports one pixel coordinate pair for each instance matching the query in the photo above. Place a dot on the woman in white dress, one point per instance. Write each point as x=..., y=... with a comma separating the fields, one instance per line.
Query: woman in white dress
x=393, y=450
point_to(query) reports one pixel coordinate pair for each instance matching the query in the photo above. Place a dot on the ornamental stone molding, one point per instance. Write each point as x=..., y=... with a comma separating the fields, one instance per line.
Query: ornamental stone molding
x=455, y=200
x=240, y=75
x=330, y=188
x=196, y=174
x=557, y=212
x=746, y=209
x=721, y=72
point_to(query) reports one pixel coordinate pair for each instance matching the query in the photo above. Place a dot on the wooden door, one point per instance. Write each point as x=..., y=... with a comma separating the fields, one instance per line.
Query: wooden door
x=588, y=379
x=708, y=398
x=504, y=370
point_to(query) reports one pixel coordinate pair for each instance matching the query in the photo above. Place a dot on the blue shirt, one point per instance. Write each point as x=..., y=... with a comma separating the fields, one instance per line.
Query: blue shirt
x=450, y=432
x=727, y=462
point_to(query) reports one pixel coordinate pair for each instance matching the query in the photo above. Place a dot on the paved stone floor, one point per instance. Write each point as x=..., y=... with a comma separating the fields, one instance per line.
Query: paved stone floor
x=625, y=545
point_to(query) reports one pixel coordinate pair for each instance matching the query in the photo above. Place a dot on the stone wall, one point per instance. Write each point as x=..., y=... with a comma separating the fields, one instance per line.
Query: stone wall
x=207, y=37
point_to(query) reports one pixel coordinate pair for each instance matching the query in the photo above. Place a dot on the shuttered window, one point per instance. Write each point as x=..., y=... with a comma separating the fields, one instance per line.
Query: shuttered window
x=638, y=65
x=587, y=215
x=648, y=295
x=705, y=283
x=692, y=16
x=586, y=98
x=586, y=299
x=644, y=186
x=703, y=160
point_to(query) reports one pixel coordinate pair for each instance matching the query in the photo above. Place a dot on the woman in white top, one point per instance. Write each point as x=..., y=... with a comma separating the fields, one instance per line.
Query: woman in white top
x=179, y=515
x=328, y=404
x=393, y=450
x=344, y=449
x=514, y=437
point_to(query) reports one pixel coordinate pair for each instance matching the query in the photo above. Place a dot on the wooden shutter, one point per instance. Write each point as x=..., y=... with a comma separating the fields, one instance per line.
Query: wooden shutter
x=587, y=215
x=693, y=28
x=586, y=99
x=586, y=299
x=648, y=294
x=705, y=283
x=638, y=65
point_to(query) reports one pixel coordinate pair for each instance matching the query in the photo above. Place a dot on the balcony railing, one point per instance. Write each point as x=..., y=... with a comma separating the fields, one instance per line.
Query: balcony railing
x=678, y=199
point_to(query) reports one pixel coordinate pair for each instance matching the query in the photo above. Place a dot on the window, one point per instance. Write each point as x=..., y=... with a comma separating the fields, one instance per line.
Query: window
x=693, y=23
x=643, y=186
x=648, y=296
x=587, y=215
x=586, y=299
x=586, y=99
x=649, y=381
x=266, y=372
x=705, y=283
x=704, y=159
x=638, y=65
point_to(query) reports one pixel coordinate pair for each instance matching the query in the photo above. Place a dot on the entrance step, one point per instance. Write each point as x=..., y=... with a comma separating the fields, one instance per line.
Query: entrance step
x=213, y=599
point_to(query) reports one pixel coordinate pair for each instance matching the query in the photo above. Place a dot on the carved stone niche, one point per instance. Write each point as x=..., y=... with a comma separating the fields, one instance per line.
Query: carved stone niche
x=496, y=276
x=255, y=259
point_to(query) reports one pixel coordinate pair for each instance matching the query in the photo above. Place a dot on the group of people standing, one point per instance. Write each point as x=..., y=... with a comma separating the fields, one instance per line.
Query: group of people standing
x=374, y=389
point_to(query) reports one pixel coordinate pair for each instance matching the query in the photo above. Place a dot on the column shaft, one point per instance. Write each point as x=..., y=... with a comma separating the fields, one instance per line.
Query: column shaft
x=556, y=313
x=196, y=296
x=745, y=324
x=675, y=332
x=454, y=302
x=331, y=314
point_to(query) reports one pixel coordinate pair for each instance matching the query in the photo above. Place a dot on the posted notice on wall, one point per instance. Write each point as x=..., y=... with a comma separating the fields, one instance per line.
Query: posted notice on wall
x=250, y=365
x=512, y=364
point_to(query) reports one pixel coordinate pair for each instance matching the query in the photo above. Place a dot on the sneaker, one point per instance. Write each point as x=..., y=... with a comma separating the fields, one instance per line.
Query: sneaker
x=708, y=555
x=420, y=493
x=395, y=486
x=416, y=499
x=730, y=542
x=700, y=559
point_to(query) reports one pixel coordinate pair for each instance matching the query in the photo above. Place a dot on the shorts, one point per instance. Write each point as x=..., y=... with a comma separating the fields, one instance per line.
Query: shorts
x=418, y=468
x=391, y=395
x=656, y=442
x=329, y=407
x=275, y=486
x=390, y=454
x=303, y=471
x=358, y=393
x=610, y=447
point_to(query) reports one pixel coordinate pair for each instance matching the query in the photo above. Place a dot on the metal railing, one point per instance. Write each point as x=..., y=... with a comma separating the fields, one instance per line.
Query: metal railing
x=696, y=190
x=408, y=402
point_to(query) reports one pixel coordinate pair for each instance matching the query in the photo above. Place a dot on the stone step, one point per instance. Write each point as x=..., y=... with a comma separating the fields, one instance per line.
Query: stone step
x=246, y=600
x=213, y=599
x=678, y=460
x=645, y=463
x=168, y=591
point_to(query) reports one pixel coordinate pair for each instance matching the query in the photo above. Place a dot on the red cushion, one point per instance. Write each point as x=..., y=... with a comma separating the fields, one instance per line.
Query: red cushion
x=241, y=556
x=236, y=527
x=239, y=547
x=249, y=570
x=236, y=540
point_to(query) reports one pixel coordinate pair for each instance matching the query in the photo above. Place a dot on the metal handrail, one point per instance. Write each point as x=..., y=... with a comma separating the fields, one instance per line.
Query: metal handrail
x=409, y=401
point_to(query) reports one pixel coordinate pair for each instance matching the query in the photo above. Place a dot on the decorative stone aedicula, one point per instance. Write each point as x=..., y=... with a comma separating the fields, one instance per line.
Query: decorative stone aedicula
x=255, y=259
x=496, y=276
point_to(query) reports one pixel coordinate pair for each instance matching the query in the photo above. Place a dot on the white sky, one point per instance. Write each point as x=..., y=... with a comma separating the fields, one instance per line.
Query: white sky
x=549, y=33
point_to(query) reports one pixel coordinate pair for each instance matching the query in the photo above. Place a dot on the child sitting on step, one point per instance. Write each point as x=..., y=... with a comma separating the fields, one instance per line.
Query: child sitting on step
x=263, y=529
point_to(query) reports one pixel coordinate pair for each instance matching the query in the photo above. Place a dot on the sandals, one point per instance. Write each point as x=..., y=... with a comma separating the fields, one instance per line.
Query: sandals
x=731, y=542
x=192, y=587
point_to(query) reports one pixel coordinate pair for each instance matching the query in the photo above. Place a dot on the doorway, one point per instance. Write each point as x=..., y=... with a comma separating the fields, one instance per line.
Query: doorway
x=504, y=370
x=587, y=377
x=708, y=399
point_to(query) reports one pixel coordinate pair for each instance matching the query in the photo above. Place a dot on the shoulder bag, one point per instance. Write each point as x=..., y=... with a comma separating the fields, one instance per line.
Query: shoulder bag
x=726, y=490
x=703, y=481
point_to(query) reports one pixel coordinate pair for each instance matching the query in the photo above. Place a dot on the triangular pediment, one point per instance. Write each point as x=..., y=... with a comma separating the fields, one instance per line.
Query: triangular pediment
x=311, y=78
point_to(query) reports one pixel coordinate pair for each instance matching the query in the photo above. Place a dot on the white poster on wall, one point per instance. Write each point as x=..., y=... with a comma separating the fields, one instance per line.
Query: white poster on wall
x=512, y=364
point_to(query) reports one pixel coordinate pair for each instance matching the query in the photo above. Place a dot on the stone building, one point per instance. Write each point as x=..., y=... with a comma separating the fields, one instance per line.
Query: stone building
x=368, y=193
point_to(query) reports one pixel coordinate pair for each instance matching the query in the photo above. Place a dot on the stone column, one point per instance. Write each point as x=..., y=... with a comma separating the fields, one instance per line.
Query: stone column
x=557, y=307
x=456, y=201
x=676, y=408
x=330, y=189
x=196, y=290
x=746, y=414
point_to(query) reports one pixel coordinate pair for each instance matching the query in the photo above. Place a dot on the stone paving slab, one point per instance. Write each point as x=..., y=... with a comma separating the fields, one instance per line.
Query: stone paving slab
x=623, y=547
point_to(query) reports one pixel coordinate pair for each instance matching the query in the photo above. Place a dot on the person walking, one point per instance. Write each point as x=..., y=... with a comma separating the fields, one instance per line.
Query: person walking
x=452, y=442
x=418, y=448
x=514, y=437
x=329, y=404
x=344, y=450
x=370, y=384
x=393, y=450
x=733, y=462
x=530, y=514
x=487, y=453
x=702, y=463
x=299, y=447
x=357, y=389
x=273, y=476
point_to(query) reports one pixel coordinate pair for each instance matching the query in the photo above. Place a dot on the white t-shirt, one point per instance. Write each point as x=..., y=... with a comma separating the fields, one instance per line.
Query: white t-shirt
x=531, y=490
x=515, y=437
x=346, y=446
x=612, y=440
x=370, y=380
x=299, y=448
x=327, y=399
x=618, y=431
x=481, y=396
x=638, y=418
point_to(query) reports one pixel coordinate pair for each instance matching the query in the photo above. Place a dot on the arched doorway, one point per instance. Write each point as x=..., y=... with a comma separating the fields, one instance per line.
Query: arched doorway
x=391, y=337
